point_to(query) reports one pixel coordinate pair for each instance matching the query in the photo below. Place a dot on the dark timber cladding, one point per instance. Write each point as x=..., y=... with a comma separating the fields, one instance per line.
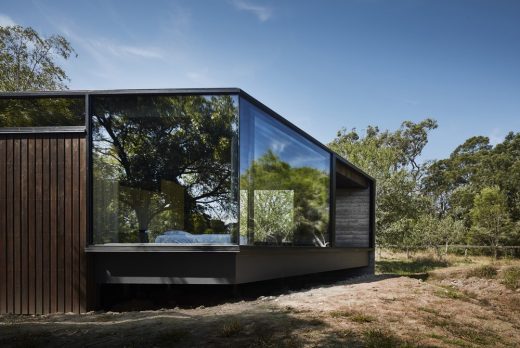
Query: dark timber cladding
x=42, y=223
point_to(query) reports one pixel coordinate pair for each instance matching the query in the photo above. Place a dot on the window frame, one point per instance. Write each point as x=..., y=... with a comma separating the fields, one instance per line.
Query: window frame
x=47, y=129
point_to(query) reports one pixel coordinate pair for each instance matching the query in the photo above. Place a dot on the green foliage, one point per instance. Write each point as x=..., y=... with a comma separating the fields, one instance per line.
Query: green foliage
x=485, y=271
x=392, y=159
x=474, y=169
x=471, y=197
x=410, y=267
x=490, y=221
x=511, y=277
x=160, y=163
x=28, y=61
x=437, y=231
x=42, y=112
x=289, y=204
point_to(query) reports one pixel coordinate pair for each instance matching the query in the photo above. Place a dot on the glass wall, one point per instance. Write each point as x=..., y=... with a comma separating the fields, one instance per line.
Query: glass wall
x=42, y=112
x=284, y=183
x=164, y=169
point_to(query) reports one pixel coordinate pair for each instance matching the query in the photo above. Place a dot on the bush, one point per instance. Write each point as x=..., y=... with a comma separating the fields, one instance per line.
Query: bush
x=230, y=328
x=486, y=272
x=511, y=277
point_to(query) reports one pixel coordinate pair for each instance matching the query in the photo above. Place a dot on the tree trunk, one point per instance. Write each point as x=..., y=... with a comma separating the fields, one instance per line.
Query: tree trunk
x=143, y=236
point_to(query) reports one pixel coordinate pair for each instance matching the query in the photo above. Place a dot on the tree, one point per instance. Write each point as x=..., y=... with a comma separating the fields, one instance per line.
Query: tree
x=392, y=158
x=28, y=61
x=435, y=232
x=491, y=222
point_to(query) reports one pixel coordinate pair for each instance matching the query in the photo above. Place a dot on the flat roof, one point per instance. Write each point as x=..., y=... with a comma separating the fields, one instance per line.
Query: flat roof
x=188, y=91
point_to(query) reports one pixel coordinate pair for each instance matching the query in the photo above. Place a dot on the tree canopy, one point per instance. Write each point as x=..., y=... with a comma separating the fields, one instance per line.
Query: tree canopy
x=29, y=61
x=473, y=196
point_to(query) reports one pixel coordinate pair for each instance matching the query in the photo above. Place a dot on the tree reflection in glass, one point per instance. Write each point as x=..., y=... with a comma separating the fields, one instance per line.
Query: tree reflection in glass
x=284, y=184
x=164, y=168
x=42, y=112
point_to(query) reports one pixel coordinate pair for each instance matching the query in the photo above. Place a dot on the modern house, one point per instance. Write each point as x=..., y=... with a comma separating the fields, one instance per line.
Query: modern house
x=194, y=186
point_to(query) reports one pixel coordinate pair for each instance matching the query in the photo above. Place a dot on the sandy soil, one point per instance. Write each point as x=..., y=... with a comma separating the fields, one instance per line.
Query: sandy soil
x=447, y=310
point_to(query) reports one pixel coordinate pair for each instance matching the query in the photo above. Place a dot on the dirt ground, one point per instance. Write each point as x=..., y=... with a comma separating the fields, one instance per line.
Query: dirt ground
x=448, y=309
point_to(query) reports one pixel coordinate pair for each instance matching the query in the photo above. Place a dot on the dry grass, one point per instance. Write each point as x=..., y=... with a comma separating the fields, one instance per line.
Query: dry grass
x=463, y=305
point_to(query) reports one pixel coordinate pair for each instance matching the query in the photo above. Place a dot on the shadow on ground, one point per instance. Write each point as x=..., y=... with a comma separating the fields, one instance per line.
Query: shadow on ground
x=261, y=327
x=124, y=297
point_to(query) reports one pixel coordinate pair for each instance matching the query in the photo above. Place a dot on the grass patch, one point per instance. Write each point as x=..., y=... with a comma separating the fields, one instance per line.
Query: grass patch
x=377, y=338
x=230, y=328
x=467, y=333
x=433, y=311
x=450, y=292
x=452, y=341
x=511, y=277
x=485, y=272
x=171, y=337
x=410, y=267
x=354, y=316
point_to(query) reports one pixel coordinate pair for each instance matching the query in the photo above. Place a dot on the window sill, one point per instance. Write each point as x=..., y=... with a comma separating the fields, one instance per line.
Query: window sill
x=163, y=248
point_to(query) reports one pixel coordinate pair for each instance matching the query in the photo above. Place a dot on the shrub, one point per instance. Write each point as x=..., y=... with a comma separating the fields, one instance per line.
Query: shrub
x=486, y=271
x=230, y=328
x=377, y=338
x=511, y=277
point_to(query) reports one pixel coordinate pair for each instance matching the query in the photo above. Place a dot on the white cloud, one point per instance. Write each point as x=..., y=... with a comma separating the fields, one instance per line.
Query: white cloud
x=263, y=13
x=5, y=20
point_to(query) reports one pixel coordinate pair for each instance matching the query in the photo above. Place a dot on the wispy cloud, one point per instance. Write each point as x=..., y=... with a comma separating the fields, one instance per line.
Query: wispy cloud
x=5, y=20
x=263, y=13
x=119, y=50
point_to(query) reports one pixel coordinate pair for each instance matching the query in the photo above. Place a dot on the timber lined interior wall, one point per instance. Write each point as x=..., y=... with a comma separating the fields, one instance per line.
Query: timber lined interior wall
x=353, y=217
x=43, y=223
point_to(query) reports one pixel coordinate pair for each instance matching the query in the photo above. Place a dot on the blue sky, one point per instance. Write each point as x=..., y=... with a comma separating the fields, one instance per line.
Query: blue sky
x=321, y=64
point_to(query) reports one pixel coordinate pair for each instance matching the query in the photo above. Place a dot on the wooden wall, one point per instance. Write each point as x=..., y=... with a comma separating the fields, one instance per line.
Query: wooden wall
x=353, y=217
x=43, y=223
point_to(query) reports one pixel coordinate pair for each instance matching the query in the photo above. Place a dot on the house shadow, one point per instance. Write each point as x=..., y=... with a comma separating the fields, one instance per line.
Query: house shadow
x=134, y=297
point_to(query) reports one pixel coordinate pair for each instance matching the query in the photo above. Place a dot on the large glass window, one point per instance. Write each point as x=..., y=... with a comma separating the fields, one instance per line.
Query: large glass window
x=164, y=169
x=284, y=183
x=42, y=112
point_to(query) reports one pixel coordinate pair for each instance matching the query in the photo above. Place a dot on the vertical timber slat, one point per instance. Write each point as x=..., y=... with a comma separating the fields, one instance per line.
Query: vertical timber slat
x=82, y=226
x=17, y=231
x=38, y=174
x=31, y=236
x=53, y=225
x=46, y=203
x=3, y=229
x=67, y=237
x=60, y=240
x=24, y=244
x=9, y=224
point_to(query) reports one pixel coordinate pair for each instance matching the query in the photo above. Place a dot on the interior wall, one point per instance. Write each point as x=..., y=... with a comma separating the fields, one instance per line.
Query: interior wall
x=353, y=217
